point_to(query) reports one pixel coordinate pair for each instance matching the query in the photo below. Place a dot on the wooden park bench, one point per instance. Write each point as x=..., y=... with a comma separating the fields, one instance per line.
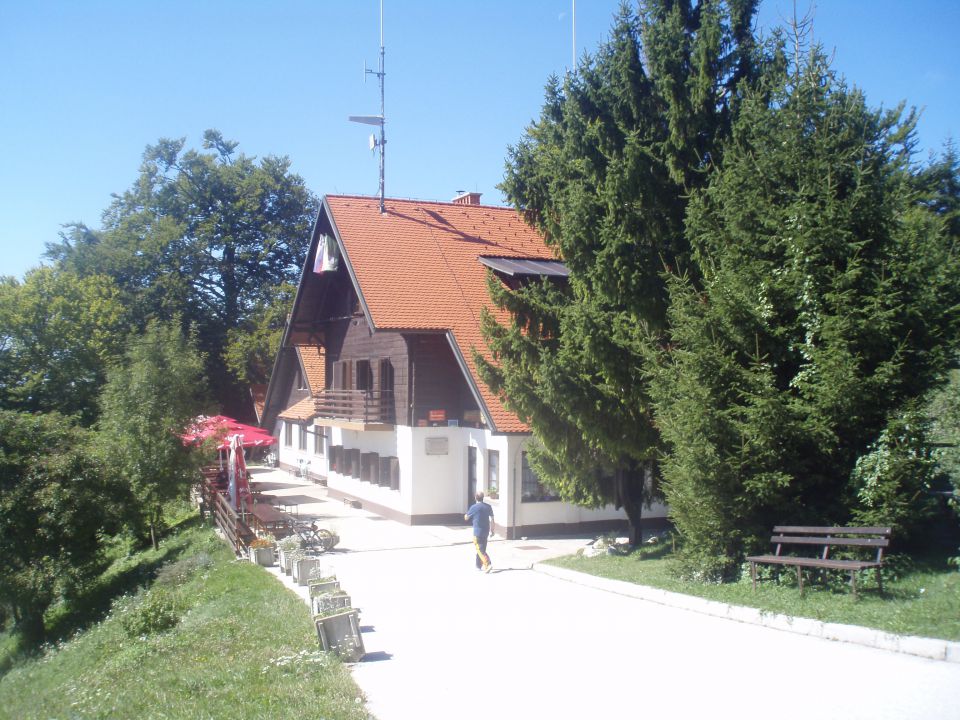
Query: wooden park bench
x=826, y=539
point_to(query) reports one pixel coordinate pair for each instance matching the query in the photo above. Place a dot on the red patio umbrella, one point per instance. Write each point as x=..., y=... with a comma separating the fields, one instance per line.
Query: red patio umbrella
x=223, y=427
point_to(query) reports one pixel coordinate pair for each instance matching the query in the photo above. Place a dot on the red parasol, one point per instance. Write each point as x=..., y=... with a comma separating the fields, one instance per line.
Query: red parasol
x=223, y=427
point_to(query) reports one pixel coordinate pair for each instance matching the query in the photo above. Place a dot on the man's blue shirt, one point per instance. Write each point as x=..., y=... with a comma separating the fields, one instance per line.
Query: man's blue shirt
x=481, y=514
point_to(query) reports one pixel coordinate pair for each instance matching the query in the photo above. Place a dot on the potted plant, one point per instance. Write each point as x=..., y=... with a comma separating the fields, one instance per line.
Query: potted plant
x=340, y=633
x=330, y=603
x=306, y=568
x=323, y=585
x=261, y=551
x=287, y=546
x=293, y=558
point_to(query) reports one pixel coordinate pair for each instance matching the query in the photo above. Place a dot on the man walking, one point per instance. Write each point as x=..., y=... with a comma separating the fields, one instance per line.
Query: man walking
x=482, y=516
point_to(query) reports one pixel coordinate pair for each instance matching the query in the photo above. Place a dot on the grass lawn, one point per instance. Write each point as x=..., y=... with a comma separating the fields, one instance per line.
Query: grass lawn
x=210, y=637
x=921, y=597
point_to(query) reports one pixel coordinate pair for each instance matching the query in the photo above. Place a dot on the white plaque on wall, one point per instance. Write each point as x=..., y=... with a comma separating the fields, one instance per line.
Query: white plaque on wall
x=438, y=446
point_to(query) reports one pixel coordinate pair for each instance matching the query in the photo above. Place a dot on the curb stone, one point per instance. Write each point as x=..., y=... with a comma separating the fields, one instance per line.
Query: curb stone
x=931, y=648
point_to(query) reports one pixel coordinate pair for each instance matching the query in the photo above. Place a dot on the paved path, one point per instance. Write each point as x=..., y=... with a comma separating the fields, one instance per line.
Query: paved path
x=445, y=641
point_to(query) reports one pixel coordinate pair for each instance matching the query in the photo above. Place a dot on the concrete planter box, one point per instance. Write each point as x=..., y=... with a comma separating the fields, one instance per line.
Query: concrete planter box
x=330, y=603
x=287, y=559
x=303, y=569
x=322, y=587
x=341, y=634
x=262, y=556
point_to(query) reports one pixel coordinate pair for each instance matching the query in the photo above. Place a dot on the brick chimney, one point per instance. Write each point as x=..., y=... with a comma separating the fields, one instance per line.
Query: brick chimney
x=467, y=198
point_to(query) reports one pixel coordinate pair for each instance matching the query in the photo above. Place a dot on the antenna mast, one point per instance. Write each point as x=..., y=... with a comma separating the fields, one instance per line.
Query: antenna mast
x=573, y=62
x=377, y=119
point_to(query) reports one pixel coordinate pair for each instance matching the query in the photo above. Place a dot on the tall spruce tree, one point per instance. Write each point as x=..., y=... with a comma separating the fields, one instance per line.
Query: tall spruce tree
x=825, y=302
x=605, y=174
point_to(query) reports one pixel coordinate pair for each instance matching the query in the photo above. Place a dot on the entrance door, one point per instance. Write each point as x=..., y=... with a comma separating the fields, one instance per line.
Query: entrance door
x=471, y=474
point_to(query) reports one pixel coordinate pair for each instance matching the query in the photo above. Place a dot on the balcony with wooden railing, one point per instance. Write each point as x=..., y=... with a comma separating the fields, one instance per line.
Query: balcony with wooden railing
x=358, y=409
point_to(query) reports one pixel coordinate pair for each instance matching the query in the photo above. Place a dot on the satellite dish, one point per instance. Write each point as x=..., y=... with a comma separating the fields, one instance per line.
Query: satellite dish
x=373, y=142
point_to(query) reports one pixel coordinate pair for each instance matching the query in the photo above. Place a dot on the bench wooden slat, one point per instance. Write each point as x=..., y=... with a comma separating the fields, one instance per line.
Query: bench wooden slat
x=828, y=563
x=832, y=541
x=801, y=529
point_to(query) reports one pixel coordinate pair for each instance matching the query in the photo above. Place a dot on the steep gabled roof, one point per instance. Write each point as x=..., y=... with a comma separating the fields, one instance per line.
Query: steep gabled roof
x=417, y=267
x=313, y=362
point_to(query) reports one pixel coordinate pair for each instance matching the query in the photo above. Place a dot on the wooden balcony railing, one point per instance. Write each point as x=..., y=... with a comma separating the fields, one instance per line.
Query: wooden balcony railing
x=368, y=406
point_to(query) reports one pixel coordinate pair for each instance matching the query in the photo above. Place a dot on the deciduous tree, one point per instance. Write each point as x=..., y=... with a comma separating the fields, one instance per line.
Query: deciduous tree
x=58, y=332
x=206, y=236
x=147, y=402
x=56, y=508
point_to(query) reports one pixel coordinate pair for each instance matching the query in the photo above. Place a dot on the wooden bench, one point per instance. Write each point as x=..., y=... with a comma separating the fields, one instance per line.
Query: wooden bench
x=825, y=538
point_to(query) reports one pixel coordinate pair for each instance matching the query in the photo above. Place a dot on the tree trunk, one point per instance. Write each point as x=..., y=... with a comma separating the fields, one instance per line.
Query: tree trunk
x=30, y=627
x=631, y=497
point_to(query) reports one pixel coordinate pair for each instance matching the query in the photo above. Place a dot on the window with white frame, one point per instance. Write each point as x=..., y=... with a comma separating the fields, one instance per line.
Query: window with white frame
x=531, y=488
x=318, y=441
x=302, y=431
x=288, y=433
x=493, y=474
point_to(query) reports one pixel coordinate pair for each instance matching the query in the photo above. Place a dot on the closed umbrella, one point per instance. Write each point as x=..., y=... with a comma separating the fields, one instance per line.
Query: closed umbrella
x=237, y=472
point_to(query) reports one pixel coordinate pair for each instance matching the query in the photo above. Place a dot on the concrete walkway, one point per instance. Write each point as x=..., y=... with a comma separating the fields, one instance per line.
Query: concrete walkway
x=445, y=641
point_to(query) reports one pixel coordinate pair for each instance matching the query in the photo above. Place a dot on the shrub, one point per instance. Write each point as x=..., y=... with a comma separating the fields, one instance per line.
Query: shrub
x=893, y=479
x=157, y=611
x=181, y=571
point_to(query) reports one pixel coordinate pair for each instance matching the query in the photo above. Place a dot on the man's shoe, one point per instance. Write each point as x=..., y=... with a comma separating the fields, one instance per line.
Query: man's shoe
x=488, y=568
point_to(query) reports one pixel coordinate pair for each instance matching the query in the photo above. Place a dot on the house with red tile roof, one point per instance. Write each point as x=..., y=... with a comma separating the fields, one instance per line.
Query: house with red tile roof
x=375, y=388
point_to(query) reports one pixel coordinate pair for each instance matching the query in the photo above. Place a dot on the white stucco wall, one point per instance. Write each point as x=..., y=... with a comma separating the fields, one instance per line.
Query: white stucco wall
x=436, y=484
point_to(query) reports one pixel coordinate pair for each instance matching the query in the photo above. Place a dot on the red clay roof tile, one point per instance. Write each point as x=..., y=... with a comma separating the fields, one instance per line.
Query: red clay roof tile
x=314, y=366
x=417, y=266
x=300, y=411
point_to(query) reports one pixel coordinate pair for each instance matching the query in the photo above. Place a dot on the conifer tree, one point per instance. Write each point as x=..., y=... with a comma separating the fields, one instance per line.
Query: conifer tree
x=605, y=174
x=825, y=302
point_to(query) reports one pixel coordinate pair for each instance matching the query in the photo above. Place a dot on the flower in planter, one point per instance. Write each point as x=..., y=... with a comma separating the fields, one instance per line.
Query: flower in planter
x=262, y=542
x=291, y=542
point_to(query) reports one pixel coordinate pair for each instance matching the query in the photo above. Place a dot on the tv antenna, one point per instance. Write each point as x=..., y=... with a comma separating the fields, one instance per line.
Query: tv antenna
x=378, y=120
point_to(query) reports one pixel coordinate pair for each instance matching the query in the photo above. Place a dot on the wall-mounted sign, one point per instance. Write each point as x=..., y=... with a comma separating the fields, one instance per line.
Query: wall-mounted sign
x=437, y=415
x=438, y=446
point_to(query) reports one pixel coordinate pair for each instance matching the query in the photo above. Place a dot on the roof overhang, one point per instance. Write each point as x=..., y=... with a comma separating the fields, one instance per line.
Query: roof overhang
x=349, y=265
x=525, y=266
x=471, y=383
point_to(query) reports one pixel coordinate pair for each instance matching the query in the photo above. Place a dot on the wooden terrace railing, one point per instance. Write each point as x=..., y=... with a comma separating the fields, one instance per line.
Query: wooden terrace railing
x=233, y=527
x=368, y=406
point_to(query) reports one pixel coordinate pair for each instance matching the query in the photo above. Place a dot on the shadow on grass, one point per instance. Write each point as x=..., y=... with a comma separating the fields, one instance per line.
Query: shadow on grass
x=93, y=604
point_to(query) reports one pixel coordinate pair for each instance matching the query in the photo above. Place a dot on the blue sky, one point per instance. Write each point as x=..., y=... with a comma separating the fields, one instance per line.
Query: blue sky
x=85, y=86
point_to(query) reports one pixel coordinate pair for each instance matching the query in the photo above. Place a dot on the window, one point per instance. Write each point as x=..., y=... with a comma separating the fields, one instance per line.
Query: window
x=493, y=474
x=531, y=489
x=288, y=434
x=302, y=440
x=301, y=385
x=318, y=441
x=364, y=375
